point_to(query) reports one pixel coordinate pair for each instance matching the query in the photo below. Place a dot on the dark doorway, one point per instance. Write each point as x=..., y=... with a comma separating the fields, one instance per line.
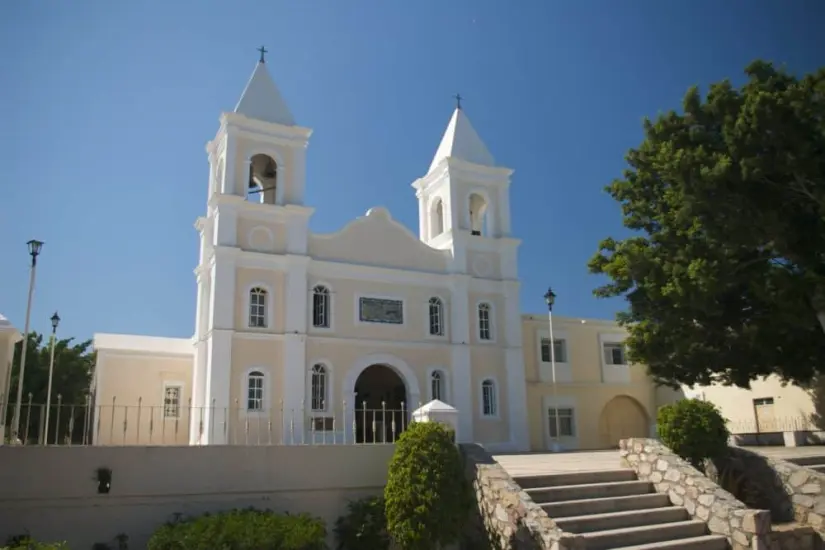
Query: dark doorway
x=381, y=411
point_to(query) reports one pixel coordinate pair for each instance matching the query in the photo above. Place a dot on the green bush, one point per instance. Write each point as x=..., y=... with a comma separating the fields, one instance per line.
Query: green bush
x=25, y=542
x=364, y=526
x=427, y=496
x=241, y=530
x=693, y=429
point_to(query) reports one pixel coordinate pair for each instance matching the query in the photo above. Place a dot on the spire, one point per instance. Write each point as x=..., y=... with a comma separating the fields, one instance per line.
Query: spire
x=261, y=99
x=462, y=142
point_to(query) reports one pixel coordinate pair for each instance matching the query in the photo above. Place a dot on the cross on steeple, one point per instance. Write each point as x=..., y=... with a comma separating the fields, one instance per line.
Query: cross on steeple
x=458, y=99
x=263, y=51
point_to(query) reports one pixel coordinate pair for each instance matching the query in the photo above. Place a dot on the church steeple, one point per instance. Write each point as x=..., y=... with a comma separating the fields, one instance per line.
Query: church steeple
x=462, y=142
x=261, y=99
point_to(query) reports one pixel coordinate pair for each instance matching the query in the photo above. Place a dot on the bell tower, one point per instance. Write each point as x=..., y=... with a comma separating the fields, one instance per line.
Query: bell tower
x=257, y=165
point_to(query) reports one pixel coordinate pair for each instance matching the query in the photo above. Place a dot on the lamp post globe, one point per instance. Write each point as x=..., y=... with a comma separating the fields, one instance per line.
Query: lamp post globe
x=55, y=320
x=550, y=298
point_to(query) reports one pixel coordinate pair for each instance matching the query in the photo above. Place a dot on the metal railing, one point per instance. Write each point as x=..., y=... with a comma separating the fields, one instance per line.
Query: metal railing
x=799, y=423
x=140, y=423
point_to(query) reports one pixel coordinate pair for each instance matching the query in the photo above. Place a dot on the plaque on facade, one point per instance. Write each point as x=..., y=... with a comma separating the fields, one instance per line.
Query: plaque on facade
x=381, y=310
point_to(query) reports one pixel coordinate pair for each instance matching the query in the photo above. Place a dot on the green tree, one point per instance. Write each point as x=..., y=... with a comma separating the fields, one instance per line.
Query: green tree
x=725, y=272
x=427, y=496
x=73, y=367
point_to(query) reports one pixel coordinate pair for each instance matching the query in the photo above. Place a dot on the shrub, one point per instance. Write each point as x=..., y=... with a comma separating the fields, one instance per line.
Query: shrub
x=25, y=542
x=427, y=496
x=693, y=429
x=364, y=527
x=241, y=530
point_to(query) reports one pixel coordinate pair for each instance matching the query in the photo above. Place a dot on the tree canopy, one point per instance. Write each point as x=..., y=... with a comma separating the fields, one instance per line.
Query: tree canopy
x=73, y=367
x=724, y=273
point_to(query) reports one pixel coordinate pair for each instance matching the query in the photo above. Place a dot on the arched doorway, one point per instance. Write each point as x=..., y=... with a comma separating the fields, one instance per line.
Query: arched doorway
x=381, y=411
x=622, y=417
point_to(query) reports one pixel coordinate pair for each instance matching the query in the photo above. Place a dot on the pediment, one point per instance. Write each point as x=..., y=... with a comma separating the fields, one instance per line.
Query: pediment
x=377, y=239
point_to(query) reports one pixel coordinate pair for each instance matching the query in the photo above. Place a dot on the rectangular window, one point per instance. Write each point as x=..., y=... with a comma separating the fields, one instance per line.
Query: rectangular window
x=488, y=396
x=171, y=401
x=614, y=354
x=559, y=348
x=255, y=393
x=484, y=329
x=763, y=401
x=380, y=310
x=565, y=422
x=323, y=424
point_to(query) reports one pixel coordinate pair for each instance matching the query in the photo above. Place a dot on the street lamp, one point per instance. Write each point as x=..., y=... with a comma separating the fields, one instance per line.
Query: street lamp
x=55, y=322
x=34, y=252
x=550, y=299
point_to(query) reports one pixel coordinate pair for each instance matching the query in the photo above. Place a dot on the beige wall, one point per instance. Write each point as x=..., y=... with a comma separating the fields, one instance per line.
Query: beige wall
x=56, y=497
x=129, y=398
x=608, y=401
x=792, y=408
x=7, y=342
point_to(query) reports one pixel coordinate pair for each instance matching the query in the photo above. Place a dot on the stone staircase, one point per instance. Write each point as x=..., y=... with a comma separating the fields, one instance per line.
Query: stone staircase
x=813, y=462
x=612, y=509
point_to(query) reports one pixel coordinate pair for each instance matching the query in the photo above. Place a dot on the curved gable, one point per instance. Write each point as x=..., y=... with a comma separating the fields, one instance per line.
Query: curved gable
x=376, y=239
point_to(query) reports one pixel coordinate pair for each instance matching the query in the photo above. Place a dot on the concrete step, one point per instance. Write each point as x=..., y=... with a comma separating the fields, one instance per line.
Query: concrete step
x=627, y=518
x=705, y=542
x=818, y=467
x=575, y=478
x=630, y=536
x=591, y=490
x=567, y=508
x=807, y=460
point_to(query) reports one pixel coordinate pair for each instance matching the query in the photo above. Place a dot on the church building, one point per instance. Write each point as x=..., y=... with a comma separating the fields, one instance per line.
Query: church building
x=336, y=338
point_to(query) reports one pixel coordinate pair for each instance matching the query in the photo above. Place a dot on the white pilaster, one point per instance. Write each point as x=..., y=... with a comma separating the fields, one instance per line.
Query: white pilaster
x=294, y=388
x=517, y=398
x=504, y=211
x=217, y=410
x=222, y=295
x=423, y=218
x=462, y=390
x=297, y=235
x=512, y=313
x=226, y=227
x=229, y=165
x=298, y=174
x=297, y=296
x=199, y=366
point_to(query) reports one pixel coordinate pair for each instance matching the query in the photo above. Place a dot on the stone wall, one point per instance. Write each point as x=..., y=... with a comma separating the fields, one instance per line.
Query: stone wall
x=792, y=537
x=804, y=486
x=702, y=498
x=506, y=518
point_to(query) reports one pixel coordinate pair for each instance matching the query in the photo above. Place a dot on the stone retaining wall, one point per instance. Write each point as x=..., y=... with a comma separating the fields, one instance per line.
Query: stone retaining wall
x=804, y=486
x=703, y=499
x=792, y=537
x=506, y=517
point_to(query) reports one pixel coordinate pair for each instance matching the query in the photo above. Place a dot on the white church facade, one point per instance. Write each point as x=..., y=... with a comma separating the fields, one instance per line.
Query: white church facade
x=338, y=337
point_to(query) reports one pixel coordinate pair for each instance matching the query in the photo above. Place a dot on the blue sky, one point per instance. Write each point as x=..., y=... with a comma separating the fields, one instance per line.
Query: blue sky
x=108, y=105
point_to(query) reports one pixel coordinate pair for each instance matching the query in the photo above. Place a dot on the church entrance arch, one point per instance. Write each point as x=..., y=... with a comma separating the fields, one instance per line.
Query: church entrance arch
x=384, y=394
x=621, y=418
x=380, y=405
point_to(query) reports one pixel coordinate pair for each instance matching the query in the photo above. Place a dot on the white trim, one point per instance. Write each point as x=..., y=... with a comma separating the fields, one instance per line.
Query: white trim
x=445, y=335
x=172, y=384
x=329, y=398
x=311, y=309
x=396, y=298
x=492, y=322
x=446, y=396
x=144, y=345
x=270, y=306
x=496, y=397
x=270, y=238
x=266, y=401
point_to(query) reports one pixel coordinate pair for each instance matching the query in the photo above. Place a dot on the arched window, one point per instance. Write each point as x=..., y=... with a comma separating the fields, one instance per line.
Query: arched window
x=489, y=405
x=257, y=308
x=318, y=385
x=255, y=391
x=485, y=327
x=263, y=180
x=320, y=307
x=478, y=214
x=438, y=384
x=437, y=218
x=436, y=317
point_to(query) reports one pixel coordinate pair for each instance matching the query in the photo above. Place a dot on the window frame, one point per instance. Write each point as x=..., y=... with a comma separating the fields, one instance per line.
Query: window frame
x=496, y=408
x=328, y=313
x=265, y=392
x=445, y=384
x=166, y=386
x=551, y=425
x=443, y=317
x=491, y=324
x=325, y=405
x=268, y=307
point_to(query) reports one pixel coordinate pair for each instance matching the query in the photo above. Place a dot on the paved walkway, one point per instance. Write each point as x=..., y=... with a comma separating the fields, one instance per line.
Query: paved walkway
x=520, y=464
x=789, y=452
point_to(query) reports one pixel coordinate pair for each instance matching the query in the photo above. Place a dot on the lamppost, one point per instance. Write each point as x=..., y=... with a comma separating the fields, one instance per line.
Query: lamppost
x=34, y=252
x=550, y=299
x=55, y=322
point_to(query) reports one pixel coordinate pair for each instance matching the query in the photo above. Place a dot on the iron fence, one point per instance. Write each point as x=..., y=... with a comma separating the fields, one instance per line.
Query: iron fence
x=799, y=423
x=140, y=423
